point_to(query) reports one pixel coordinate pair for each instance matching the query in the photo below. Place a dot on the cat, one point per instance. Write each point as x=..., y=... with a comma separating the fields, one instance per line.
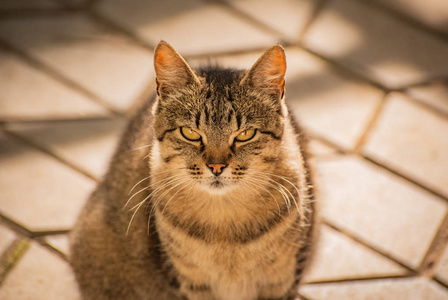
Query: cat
x=209, y=194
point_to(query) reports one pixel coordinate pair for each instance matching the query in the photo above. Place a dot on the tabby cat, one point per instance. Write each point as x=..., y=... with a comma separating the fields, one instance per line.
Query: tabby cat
x=208, y=195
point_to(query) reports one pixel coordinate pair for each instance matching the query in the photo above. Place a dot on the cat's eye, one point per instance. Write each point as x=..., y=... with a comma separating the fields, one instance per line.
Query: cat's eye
x=190, y=134
x=246, y=135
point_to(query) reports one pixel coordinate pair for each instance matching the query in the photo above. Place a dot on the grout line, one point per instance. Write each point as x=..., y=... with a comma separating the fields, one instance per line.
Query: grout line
x=11, y=256
x=300, y=296
x=49, y=71
x=375, y=162
x=436, y=249
x=110, y=24
x=445, y=285
x=260, y=49
x=365, y=243
x=9, y=121
x=426, y=106
x=337, y=281
x=371, y=124
x=50, y=153
x=6, y=14
x=23, y=231
x=408, y=20
x=19, y=229
x=427, y=81
x=242, y=15
x=317, y=9
x=357, y=71
x=409, y=179
x=40, y=234
x=54, y=250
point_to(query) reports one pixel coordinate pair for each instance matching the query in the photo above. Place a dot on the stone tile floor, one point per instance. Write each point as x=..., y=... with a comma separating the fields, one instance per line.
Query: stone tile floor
x=368, y=80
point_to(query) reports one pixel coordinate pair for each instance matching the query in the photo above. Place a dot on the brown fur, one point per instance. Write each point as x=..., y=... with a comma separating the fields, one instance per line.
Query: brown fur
x=189, y=233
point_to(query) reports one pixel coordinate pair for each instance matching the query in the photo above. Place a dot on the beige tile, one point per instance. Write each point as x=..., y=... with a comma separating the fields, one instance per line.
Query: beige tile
x=40, y=274
x=319, y=149
x=377, y=45
x=59, y=242
x=87, y=144
x=37, y=191
x=378, y=207
x=104, y=62
x=412, y=140
x=7, y=236
x=392, y=289
x=433, y=13
x=286, y=16
x=192, y=27
x=434, y=94
x=28, y=94
x=441, y=270
x=336, y=107
x=338, y=257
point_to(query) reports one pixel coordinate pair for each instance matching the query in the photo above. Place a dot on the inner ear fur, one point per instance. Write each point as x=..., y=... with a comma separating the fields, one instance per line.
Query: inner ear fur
x=172, y=71
x=268, y=72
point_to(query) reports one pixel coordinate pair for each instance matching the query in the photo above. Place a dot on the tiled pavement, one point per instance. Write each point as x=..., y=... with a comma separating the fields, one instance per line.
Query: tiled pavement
x=367, y=78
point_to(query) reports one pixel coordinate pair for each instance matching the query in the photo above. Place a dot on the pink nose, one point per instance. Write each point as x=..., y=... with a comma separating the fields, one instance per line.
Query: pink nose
x=216, y=168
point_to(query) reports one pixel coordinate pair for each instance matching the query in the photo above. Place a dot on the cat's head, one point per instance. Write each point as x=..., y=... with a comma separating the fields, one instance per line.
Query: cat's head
x=219, y=129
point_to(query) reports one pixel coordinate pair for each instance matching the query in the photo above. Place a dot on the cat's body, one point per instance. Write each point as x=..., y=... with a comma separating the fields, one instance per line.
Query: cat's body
x=226, y=212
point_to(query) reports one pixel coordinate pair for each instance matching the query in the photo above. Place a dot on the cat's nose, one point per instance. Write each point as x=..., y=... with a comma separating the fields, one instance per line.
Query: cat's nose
x=216, y=168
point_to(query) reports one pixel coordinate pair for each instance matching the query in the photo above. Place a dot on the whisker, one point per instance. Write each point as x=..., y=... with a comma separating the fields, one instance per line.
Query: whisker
x=253, y=187
x=284, y=188
x=147, y=177
x=137, y=207
x=147, y=187
x=146, y=146
x=285, y=179
x=166, y=182
x=175, y=194
x=264, y=188
x=281, y=191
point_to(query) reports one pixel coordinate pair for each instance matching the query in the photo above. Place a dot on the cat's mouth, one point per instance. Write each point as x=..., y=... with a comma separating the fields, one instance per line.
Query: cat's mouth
x=217, y=184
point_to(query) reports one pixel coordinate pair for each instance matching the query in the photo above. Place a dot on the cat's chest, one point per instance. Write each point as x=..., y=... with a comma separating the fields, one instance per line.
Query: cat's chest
x=231, y=271
x=231, y=268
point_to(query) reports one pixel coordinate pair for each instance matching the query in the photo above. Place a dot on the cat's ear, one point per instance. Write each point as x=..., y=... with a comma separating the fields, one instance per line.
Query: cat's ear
x=268, y=72
x=172, y=71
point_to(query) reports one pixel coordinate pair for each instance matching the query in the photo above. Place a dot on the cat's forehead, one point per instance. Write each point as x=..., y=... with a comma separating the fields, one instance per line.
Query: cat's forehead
x=220, y=77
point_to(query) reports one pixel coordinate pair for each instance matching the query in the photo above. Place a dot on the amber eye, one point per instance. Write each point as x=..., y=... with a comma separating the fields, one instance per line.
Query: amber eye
x=246, y=135
x=190, y=134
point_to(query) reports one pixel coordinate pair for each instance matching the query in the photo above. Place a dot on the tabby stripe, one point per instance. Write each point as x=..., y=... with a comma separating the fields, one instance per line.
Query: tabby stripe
x=238, y=121
x=169, y=158
x=163, y=134
x=207, y=115
x=207, y=233
x=198, y=119
x=277, y=137
x=198, y=287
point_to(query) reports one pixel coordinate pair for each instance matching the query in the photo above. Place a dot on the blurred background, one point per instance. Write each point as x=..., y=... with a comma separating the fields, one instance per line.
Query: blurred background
x=368, y=79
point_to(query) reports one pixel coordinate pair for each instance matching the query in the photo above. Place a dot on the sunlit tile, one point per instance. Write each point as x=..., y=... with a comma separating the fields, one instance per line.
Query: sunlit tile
x=102, y=61
x=378, y=207
x=412, y=140
x=39, y=192
x=377, y=45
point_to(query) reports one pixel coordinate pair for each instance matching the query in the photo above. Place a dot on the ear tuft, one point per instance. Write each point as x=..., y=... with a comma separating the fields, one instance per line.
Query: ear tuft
x=172, y=71
x=268, y=72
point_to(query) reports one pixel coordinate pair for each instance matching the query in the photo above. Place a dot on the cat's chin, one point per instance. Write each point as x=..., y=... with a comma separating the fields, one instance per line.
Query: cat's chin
x=218, y=187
